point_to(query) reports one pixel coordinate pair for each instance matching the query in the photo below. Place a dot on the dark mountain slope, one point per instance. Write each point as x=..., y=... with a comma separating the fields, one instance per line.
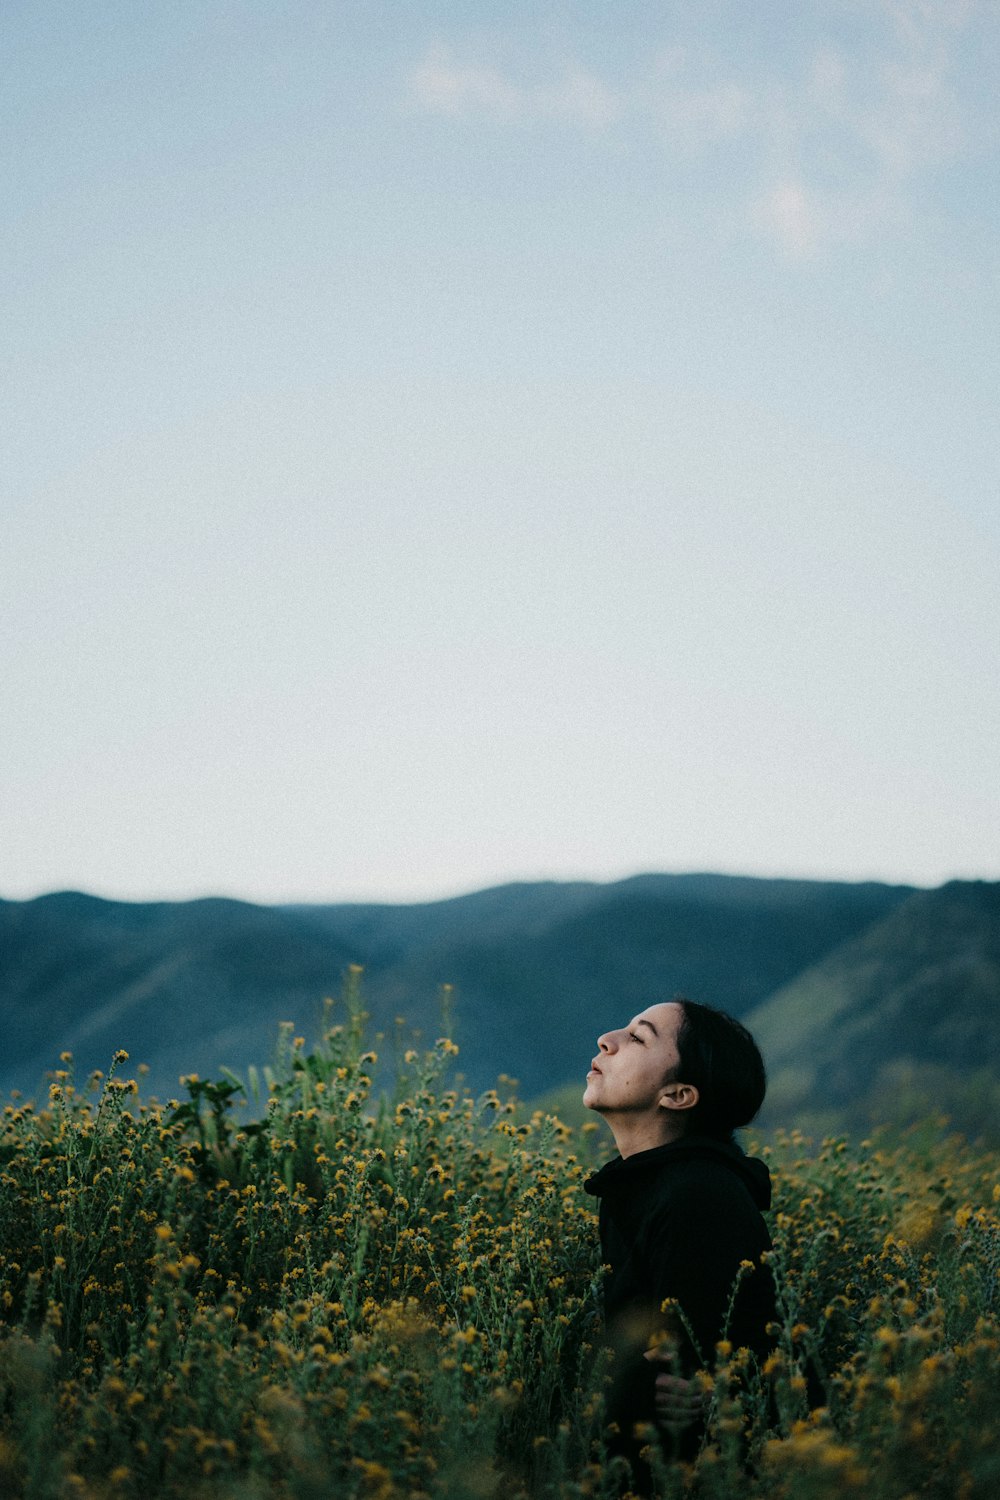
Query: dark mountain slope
x=903, y=1020
x=184, y=986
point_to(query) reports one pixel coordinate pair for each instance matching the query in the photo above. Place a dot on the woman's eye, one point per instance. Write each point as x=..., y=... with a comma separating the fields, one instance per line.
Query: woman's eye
x=635, y=1038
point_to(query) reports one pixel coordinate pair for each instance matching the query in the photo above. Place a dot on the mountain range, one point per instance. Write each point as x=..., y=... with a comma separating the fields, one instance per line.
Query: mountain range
x=854, y=990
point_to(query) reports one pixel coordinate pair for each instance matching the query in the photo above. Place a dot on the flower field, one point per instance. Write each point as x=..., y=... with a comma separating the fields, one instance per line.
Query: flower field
x=391, y=1289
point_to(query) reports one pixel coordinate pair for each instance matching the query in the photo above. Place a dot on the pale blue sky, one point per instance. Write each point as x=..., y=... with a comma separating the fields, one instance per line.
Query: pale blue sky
x=450, y=443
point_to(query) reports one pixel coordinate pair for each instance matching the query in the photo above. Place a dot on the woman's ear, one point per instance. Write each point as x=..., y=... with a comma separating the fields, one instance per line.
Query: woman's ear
x=678, y=1096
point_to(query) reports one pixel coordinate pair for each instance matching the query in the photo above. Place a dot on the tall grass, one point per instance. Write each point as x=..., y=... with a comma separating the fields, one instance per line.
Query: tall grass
x=388, y=1287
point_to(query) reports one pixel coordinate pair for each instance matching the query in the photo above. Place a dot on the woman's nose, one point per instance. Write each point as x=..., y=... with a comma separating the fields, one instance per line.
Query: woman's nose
x=604, y=1042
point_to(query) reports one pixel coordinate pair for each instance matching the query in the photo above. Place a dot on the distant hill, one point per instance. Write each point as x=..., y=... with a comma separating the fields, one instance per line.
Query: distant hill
x=900, y=1022
x=182, y=986
x=538, y=969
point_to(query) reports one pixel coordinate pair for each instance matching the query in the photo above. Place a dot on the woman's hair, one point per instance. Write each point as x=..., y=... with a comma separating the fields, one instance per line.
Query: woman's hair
x=723, y=1062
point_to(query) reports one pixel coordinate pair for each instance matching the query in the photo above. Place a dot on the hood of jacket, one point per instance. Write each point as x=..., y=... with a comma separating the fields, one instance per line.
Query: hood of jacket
x=626, y=1172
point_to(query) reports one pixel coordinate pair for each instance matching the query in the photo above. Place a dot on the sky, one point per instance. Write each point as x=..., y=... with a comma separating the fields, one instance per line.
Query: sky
x=451, y=443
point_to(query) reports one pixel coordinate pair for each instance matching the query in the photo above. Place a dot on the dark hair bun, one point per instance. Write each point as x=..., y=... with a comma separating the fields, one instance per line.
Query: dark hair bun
x=723, y=1062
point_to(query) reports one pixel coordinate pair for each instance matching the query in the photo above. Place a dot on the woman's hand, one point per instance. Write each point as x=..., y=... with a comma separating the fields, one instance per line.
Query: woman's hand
x=678, y=1402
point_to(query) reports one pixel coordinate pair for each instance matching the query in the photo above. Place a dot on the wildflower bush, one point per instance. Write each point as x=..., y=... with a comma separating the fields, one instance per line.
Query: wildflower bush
x=391, y=1288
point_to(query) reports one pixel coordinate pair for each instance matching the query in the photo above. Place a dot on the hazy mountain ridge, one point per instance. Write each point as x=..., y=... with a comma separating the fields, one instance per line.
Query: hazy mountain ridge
x=167, y=981
x=539, y=969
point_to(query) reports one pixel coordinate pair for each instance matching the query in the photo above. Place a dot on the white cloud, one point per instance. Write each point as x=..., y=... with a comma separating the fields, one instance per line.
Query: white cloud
x=801, y=220
x=917, y=22
x=693, y=112
x=444, y=87
x=441, y=85
x=696, y=118
x=580, y=97
x=859, y=128
x=787, y=216
x=811, y=151
x=916, y=123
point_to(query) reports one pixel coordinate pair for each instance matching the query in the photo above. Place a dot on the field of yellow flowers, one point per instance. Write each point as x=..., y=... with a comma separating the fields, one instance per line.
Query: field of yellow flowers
x=374, y=1292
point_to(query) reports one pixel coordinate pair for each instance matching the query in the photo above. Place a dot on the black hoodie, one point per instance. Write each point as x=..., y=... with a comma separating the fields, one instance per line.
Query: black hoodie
x=678, y=1222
